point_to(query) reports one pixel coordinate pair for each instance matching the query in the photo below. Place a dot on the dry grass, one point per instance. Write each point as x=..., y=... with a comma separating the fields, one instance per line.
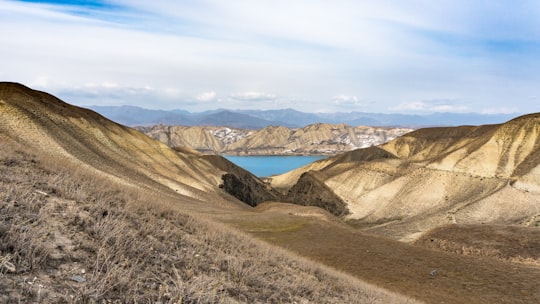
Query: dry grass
x=429, y=275
x=507, y=243
x=69, y=236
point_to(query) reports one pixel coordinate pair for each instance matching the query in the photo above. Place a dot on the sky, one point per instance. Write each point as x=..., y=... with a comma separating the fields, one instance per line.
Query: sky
x=386, y=56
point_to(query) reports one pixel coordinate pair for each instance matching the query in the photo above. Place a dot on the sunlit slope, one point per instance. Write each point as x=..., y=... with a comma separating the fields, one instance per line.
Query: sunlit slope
x=88, y=139
x=339, y=163
x=436, y=176
x=505, y=150
x=319, y=138
x=198, y=138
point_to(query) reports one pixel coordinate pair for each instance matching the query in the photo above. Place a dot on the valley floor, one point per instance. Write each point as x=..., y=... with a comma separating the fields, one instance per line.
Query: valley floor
x=79, y=231
x=68, y=235
x=427, y=275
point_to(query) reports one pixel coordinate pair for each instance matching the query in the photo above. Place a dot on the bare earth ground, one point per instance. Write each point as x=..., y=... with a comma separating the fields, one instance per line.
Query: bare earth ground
x=508, y=243
x=71, y=217
x=140, y=223
x=427, y=275
x=68, y=235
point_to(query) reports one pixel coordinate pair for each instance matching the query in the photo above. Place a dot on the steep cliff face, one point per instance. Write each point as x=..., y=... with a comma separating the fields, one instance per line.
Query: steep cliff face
x=432, y=177
x=319, y=138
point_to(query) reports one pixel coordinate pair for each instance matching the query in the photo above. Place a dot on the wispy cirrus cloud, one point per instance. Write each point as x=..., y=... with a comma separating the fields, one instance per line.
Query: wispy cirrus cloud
x=206, y=96
x=430, y=106
x=503, y=110
x=104, y=93
x=253, y=96
x=347, y=100
x=483, y=53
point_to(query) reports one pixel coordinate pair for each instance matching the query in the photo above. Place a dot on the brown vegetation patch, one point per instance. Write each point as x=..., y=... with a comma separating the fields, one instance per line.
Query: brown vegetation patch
x=427, y=275
x=508, y=243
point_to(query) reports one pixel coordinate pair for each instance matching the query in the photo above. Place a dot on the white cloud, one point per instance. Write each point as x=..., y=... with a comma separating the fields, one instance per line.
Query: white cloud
x=40, y=82
x=301, y=51
x=502, y=110
x=206, y=96
x=254, y=96
x=105, y=93
x=430, y=106
x=346, y=100
x=172, y=92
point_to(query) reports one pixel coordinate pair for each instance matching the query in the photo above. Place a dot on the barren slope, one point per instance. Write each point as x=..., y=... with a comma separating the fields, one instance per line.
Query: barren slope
x=428, y=275
x=63, y=219
x=313, y=139
x=96, y=212
x=37, y=118
x=432, y=177
x=198, y=138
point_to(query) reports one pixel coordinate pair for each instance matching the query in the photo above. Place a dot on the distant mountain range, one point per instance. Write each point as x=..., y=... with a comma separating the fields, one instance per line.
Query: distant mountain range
x=258, y=119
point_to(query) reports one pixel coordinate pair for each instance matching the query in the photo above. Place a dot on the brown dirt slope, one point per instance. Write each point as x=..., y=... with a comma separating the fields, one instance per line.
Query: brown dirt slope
x=313, y=139
x=88, y=139
x=437, y=176
x=431, y=276
x=134, y=238
x=507, y=243
x=198, y=138
x=70, y=235
x=317, y=138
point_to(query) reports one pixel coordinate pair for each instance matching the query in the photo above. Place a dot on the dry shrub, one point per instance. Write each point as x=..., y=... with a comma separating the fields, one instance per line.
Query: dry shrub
x=77, y=237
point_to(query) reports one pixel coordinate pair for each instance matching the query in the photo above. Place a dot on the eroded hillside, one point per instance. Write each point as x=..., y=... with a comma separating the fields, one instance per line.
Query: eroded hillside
x=95, y=212
x=84, y=137
x=432, y=177
x=318, y=138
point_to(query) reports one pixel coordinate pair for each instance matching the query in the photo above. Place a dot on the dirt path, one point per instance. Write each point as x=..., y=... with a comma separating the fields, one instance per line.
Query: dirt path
x=430, y=276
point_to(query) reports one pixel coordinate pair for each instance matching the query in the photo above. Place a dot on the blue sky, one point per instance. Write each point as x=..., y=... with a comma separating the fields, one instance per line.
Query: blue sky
x=310, y=55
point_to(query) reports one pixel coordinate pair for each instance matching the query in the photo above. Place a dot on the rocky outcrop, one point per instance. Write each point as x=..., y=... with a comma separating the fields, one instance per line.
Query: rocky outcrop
x=242, y=184
x=310, y=190
x=319, y=139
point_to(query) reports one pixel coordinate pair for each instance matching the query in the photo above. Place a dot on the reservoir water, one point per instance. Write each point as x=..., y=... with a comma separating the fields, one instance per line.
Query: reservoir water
x=263, y=166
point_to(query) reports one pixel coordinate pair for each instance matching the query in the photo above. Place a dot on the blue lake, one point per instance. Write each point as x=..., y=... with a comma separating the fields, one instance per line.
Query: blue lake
x=263, y=166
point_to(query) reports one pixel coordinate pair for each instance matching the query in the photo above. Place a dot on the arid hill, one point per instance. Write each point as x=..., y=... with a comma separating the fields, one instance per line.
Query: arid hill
x=91, y=212
x=86, y=138
x=431, y=177
x=327, y=139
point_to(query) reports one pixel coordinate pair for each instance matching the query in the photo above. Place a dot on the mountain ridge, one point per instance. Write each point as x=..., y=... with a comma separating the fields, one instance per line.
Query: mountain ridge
x=257, y=119
x=316, y=139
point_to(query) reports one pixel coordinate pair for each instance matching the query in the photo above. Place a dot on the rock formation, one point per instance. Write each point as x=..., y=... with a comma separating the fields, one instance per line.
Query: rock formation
x=319, y=139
